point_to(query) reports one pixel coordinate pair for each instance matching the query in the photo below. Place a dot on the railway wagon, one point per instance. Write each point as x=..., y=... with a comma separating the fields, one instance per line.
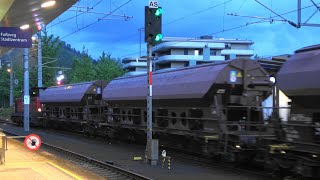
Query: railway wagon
x=73, y=106
x=34, y=108
x=213, y=109
x=298, y=147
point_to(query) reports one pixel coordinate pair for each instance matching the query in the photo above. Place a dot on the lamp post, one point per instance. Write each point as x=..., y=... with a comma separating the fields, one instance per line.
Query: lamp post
x=39, y=61
x=26, y=96
x=39, y=45
x=11, y=84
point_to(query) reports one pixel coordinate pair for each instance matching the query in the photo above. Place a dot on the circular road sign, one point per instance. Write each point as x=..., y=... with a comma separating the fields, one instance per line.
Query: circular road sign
x=32, y=142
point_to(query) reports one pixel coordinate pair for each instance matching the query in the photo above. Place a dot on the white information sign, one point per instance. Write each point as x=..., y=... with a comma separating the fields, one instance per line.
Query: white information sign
x=26, y=99
x=153, y=4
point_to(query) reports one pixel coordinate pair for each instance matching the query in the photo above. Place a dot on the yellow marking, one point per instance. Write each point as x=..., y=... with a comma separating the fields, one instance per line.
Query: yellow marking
x=4, y=7
x=239, y=75
x=137, y=158
x=66, y=171
x=214, y=137
x=279, y=147
x=13, y=163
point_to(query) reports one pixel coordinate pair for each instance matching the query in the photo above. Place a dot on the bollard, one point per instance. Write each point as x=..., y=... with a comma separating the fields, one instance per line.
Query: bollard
x=169, y=162
x=163, y=161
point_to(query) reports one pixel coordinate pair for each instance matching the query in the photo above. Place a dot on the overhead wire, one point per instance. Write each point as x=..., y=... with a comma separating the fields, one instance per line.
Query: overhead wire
x=88, y=9
x=230, y=29
x=96, y=21
x=179, y=19
x=198, y=12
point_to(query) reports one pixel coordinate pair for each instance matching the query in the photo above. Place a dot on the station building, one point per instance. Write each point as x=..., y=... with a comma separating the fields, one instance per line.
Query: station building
x=176, y=52
x=134, y=66
x=182, y=52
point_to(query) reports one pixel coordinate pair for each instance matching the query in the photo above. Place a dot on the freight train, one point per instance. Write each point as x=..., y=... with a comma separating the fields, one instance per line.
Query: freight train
x=34, y=108
x=215, y=109
x=297, y=148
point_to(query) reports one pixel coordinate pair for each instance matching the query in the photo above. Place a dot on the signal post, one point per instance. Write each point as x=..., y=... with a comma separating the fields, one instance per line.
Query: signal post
x=153, y=35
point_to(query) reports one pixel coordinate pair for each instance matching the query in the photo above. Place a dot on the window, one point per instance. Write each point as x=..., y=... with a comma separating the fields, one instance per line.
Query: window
x=185, y=51
x=213, y=52
x=196, y=52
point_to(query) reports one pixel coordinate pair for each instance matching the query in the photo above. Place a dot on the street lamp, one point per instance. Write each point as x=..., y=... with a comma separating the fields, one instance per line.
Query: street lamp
x=60, y=78
x=39, y=44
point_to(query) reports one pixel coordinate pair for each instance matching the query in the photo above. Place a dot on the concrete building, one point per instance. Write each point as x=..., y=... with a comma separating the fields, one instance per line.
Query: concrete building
x=181, y=52
x=134, y=66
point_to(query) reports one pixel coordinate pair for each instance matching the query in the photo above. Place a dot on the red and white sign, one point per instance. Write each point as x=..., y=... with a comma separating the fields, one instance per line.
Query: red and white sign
x=32, y=142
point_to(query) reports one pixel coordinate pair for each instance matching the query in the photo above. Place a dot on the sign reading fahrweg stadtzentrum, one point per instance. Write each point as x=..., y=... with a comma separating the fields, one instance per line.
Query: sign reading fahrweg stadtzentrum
x=15, y=37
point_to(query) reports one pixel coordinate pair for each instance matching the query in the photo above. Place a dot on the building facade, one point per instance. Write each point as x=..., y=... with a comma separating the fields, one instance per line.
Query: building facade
x=134, y=66
x=181, y=52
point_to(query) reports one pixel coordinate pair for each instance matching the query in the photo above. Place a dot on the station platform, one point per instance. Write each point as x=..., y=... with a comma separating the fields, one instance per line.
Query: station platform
x=21, y=163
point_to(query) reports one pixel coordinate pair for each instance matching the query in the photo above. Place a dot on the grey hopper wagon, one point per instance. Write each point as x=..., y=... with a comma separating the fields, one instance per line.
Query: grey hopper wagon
x=73, y=104
x=298, y=79
x=217, y=101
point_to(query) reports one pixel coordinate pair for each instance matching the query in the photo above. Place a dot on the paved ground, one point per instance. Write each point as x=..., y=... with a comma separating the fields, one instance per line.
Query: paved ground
x=21, y=163
x=122, y=155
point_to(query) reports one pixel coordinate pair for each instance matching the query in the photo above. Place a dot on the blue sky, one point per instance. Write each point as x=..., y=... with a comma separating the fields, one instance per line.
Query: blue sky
x=186, y=18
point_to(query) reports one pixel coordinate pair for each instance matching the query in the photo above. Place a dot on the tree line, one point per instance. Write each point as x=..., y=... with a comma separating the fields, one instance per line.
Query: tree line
x=56, y=57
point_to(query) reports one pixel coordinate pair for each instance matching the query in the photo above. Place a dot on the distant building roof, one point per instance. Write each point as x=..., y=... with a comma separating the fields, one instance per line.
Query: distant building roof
x=273, y=64
x=182, y=42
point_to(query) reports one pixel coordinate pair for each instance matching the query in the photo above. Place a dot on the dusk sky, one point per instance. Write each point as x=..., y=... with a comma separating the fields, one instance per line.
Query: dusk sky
x=187, y=18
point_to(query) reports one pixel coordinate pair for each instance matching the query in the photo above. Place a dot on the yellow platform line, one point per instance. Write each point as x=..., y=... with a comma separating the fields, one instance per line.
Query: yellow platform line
x=25, y=162
x=66, y=171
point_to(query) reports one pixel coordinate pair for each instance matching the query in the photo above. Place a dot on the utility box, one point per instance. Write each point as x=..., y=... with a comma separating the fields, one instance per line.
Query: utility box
x=153, y=151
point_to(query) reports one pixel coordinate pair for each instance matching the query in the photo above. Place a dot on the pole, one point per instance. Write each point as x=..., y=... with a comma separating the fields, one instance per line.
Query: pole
x=140, y=43
x=299, y=13
x=26, y=89
x=39, y=60
x=11, y=83
x=152, y=144
x=149, y=100
x=277, y=101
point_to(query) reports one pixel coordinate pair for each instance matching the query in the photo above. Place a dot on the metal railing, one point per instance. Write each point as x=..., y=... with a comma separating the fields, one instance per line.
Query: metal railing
x=4, y=145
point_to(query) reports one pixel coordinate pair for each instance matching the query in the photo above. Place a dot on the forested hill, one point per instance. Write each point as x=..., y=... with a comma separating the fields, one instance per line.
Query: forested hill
x=57, y=56
x=66, y=54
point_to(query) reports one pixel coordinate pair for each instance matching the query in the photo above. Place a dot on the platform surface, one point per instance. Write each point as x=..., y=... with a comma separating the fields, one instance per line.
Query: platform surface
x=122, y=155
x=21, y=163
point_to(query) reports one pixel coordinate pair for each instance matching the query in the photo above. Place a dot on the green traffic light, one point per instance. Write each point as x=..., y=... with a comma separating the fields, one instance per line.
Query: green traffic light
x=158, y=12
x=158, y=37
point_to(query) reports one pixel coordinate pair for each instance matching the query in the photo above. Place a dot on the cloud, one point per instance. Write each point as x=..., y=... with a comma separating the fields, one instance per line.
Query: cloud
x=187, y=19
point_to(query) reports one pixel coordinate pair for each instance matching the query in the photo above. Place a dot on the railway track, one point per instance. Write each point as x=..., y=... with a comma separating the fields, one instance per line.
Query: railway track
x=211, y=163
x=182, y=155
x=101, y=168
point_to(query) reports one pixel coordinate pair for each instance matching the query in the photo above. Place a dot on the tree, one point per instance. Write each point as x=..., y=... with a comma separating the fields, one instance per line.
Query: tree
x=50, y=49
x=82, y=68
x=108, y=68
x=4, y=87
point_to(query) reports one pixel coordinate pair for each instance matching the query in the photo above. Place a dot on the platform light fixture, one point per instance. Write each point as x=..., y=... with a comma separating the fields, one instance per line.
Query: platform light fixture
x=25, y=26
x=48, y=4
x=273, y=79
